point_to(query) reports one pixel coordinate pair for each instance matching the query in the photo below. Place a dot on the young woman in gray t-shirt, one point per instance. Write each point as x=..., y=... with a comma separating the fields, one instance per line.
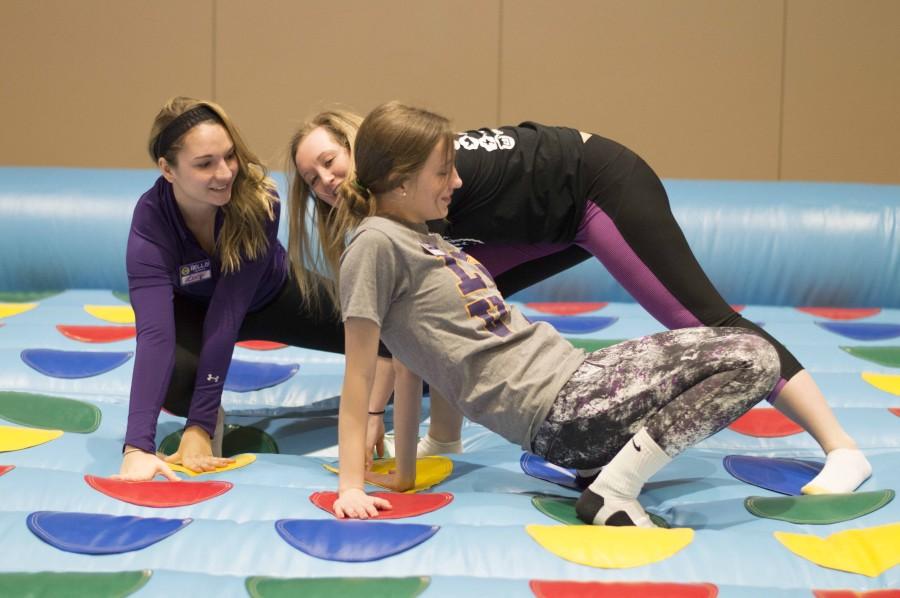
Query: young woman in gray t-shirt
x=629, y=408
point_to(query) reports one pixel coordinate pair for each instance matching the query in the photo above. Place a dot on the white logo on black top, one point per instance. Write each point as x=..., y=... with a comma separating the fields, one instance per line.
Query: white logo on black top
x=489, y=140
x=211, y=378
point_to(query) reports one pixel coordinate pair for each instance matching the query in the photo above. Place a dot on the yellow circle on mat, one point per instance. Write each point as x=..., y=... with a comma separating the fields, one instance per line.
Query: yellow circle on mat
x=117, y=314
x=868, y=551
x=610, y=547
x=13, y=309
x=886, y=382
x=16, y=439
x=430, y=471
x=239, y=461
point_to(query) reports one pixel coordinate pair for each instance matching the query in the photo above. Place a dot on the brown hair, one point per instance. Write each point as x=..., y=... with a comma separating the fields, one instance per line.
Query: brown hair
x=243, y=232
x=342, y=126
x=392, y=144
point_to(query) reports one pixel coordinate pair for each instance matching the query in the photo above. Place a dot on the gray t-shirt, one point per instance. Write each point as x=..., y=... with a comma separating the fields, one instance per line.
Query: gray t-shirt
x=441, y=314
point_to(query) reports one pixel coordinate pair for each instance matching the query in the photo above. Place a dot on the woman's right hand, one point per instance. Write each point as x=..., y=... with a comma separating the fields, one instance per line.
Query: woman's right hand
x=139, y=466
x=356, y=504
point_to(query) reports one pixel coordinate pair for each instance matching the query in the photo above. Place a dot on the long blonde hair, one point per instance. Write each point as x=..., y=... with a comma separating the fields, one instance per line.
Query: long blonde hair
x=392, y=144
x=243, y=232
x=342, y=126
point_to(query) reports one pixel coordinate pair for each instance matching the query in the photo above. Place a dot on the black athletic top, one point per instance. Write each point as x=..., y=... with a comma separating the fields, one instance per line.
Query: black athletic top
x=520, y=185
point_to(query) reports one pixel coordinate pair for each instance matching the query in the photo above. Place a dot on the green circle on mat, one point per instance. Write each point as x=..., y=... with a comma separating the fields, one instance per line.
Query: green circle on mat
x=345, y=587
x=247, y=439
x=122, y=296
x=562, y=509
x=887, y=356
x=593, y=344
x=26, y=296
x=118, y=584
x=52, y=413
x=237, y=440
x=819, y=509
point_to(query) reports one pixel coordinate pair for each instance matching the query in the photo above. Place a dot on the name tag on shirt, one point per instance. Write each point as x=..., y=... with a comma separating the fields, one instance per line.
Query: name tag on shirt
x=191, y=273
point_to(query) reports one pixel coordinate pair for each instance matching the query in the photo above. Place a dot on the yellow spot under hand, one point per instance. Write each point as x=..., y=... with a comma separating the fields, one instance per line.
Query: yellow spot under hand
x=430, y=471
x=239, y=461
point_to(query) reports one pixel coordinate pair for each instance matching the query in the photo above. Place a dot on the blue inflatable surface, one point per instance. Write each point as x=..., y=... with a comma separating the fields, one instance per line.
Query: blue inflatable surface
x=482, y=545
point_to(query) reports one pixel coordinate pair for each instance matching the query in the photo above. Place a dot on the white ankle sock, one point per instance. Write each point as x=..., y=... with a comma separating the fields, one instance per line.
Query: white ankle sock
x=429, y=446
x=845, y=469
x=612, y=498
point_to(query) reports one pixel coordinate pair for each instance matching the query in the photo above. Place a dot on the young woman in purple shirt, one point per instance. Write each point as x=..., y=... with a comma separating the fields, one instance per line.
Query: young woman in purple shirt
x=205, y=269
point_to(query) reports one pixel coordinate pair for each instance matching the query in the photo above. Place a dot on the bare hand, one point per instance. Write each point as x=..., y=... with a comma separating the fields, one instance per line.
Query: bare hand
x=374, y=439
x=195, y=452
x=139, y=466
x=356, y=504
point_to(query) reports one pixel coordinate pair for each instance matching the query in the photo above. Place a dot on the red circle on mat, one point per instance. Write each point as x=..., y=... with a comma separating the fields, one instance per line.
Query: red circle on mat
x=261, y=345
x=155, y=493
x=97, y=334
x=895, y=410
x=404, y=505
x=738, y=308
x=566, y=308
x=765, y=423
x=841, y=313
x=621, y=589
x=6, y=468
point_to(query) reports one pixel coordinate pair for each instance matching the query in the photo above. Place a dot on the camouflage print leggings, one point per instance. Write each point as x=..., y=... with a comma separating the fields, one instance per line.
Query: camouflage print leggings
x=682, y=386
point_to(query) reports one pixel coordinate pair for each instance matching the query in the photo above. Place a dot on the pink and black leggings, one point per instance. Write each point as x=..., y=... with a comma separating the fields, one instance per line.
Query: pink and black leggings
x=628, y=225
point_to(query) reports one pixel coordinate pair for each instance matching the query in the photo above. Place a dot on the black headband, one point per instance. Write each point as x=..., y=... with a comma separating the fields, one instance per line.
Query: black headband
x=180, y=125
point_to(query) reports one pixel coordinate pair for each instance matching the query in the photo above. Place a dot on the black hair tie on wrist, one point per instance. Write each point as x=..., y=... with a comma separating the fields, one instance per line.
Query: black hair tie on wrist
x=377, y=412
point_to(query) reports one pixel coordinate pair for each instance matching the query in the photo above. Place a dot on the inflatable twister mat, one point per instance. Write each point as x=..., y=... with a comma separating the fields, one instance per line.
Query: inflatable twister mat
x=494, y=520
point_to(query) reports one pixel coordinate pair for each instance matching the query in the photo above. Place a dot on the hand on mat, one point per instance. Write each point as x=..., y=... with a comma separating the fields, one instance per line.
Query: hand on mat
x=139, y=466
x=374, y=439
x=390, y=480
x=356, y=504
x=195, y=452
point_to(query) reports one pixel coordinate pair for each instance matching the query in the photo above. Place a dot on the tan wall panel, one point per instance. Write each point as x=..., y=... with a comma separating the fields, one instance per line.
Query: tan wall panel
x=842, y=91
x=693, y=86
x=280, y=61
x=82, y=81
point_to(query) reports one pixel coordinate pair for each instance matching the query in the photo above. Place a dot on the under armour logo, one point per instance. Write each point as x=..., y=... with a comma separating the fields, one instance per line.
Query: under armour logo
x=211, y=378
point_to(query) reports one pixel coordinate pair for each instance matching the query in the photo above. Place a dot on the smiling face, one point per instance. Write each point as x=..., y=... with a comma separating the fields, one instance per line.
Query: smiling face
x=429, y=192
x=205, y=167
x=323, y=163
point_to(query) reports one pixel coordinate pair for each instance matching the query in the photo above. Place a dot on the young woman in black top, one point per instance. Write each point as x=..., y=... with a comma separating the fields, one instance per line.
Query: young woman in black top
x=536, y=200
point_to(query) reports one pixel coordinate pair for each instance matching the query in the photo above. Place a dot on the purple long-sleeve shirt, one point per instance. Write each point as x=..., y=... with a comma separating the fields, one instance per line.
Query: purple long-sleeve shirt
x=164, y=258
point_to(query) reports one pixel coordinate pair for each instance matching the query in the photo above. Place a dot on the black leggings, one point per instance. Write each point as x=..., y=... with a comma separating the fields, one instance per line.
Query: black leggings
x=631, y=229
x=282, y=320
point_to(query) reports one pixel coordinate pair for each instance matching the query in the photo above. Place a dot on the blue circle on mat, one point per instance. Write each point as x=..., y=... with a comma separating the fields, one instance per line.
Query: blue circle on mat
x=74, y=364
x=352, y=541
x=576, y=324
x=786, y=476
x=90, y=533
x=538, y=467
x=245, y=376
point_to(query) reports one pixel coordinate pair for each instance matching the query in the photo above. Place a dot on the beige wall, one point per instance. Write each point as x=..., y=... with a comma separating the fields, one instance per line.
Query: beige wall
x=769, y=89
